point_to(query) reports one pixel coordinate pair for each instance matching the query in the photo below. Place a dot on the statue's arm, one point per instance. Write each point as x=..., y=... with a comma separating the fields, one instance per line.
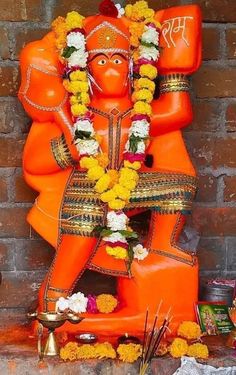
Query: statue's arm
x=49, y=146
x=180, y=56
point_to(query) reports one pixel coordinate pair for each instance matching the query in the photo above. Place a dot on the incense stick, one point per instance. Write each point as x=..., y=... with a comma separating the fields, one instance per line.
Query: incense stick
x=144, y=337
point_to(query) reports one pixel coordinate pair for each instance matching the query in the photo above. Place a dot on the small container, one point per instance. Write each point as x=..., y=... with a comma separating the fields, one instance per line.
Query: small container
x=127, y=339
x=87, y=338
x=218, y=293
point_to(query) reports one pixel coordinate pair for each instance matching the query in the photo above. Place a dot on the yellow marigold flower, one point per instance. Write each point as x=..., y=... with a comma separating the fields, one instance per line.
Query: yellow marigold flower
x=152, y=20
x=135, y=165
x=105, y=350
x=129, y=352
x=135, y=55
x=134, y=41
x=129, y=174
x=178, y=348
x=148, y=13
x=148, y=71
x=74, y=99
x=103, y=183
x=142, y=108
x=95, y=173
x=114, y=176
x=78, y=75
x=142, y=94
x=189, y=330
x=86, y=351
x=106, y=303
x=88, y=162
x=128, y=10
x=129, y=184
x=75, y=86
x=103, y=160
x=59, y=27
x=78, y=109
x=116, y=204
x=117, y=252
x=198, y=350
x=69, y=351
x=74, y=20
x=108, y=196
x=85, y=98
x=121, y=192
x=144, y=83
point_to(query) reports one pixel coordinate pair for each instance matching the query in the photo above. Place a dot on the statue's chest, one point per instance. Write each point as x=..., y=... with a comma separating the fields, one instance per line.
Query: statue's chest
x=112, y=130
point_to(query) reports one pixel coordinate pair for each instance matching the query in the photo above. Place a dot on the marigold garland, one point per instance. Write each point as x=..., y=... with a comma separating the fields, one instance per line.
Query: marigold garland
x=114, y=187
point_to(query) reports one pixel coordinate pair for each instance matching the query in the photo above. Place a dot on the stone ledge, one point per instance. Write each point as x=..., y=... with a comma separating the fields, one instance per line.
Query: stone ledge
x=18, y=356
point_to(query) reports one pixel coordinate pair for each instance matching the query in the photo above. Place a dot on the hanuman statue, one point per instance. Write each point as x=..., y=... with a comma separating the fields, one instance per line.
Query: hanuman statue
x=102, y=148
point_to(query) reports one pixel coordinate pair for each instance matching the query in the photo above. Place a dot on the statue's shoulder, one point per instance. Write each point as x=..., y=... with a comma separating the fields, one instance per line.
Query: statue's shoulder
x=180, y=38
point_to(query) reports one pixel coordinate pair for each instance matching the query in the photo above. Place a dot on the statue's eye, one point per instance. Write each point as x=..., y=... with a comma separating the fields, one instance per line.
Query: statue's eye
x=117, y=61
x=102, y=62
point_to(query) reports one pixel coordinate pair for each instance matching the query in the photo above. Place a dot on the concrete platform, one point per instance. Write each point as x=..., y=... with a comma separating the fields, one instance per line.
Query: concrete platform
x=18, y=356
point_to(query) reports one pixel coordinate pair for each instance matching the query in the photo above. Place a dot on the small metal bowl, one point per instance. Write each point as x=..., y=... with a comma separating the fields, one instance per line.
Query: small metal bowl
x=86, y=338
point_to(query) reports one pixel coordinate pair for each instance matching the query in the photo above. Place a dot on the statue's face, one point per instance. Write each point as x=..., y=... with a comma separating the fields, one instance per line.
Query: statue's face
x=110, y=71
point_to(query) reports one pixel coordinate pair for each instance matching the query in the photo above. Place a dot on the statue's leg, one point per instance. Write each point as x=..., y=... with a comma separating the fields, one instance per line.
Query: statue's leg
x=163, y=236
x=68, y=265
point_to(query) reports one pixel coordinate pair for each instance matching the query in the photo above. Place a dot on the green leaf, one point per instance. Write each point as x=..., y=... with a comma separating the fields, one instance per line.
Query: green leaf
x=67, y=52
x=128, y=234
x=82, y=134
x=106, y=232
x=149, y=45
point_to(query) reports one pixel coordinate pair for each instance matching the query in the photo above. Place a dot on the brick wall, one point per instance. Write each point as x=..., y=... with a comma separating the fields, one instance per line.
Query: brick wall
x=211, y=140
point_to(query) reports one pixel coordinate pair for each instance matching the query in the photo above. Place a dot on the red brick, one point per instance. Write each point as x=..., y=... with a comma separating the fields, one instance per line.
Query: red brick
x=210, y=151
x=231, y=118
x=215, y=82
x=25, y=36
x=19, y=289
x=13, y=117
x=230, y=189
x=13, y=222
x=23, y=193
x=215, y=221
x=9, y=80
x=11, y=152
x=207, y=186
x=211, y=43
x=33, y=255
x=231, y=254
x=3, y=189
x=231, y=43
x=218, y=10
x=206, y=116
x=211, y=254
x=21, y=10
x=6, y=257
x=4, y=44
x=87, y=8
x=4, y=126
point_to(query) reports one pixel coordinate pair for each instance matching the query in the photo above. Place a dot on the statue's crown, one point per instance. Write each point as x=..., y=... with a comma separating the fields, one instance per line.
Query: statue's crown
x=106, y=34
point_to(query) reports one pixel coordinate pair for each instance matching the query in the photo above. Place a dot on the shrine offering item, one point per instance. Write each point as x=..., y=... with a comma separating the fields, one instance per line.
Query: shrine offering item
x=51, y=321
x=231, y=342
x=102, y=148
x=218, y=293
x=213, y=318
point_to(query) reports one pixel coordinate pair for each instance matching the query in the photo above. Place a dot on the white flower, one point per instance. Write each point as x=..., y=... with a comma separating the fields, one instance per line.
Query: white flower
x=62, y=304
x=78, y=303
x=140, y=252
x=116, y=221
x=87, y=146
x=139, y=128
x=141, y=147
x=150, y=35
x=121, y=10
x=78, y=58
x=115, y=237
x=77, y=40
x=84, y=125
x=150, y=53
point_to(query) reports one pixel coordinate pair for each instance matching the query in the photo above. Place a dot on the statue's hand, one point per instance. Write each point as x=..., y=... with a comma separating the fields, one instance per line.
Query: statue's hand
x=180, y=39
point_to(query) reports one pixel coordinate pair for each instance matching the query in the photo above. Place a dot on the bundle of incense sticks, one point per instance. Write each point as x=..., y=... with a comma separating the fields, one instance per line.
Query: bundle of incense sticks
x=152, y=339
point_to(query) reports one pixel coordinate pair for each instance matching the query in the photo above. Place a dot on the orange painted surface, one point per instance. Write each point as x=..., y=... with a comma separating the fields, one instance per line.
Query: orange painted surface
x=158, y=277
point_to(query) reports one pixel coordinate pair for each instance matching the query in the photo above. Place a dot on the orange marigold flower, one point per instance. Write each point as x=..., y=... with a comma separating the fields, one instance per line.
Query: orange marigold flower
x=106, y=303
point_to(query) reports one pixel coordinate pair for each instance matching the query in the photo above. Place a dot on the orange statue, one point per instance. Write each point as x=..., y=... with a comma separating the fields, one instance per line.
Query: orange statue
x=68, y=208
